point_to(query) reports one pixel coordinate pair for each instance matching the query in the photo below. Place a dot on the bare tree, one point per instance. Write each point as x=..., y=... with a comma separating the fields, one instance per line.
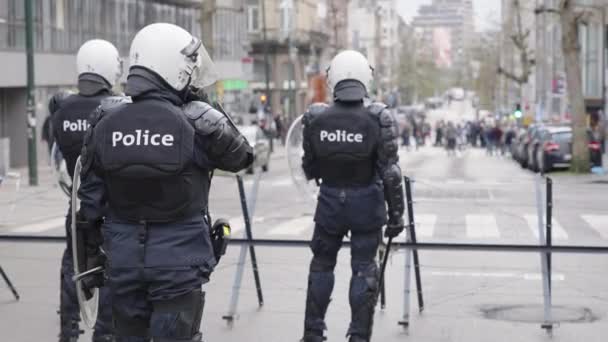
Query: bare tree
x=570, y=19
x=520, y=40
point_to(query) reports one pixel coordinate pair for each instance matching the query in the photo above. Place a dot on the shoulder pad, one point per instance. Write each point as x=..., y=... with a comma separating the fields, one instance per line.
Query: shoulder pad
x=112, y=102
x=376, y=108
x=107, y=104
x=57, y=99
x=195, y=109
x=314, y=110
x=204, y=117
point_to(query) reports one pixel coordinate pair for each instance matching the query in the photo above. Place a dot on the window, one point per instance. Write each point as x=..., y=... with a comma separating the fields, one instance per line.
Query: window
x=253, y=19
x=591, y=41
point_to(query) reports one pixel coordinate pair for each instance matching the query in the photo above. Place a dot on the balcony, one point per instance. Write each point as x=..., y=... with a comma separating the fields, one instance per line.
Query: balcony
x=277, y=42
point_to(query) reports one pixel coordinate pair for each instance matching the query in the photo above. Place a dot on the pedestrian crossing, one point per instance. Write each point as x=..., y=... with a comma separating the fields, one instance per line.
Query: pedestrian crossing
x=476, y=227
x=495, y=227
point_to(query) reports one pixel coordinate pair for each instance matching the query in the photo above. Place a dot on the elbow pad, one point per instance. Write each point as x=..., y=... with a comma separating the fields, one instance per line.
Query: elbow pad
x=56, y=100
x=388, y=160
x=226, y=147
x=393, y=190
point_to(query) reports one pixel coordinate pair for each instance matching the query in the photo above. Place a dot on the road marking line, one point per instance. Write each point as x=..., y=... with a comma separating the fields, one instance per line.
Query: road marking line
x=599, y=223
x=498, y=275
x=58, y=222
x=293, y=227
x=482, y=226
x=282, y=182
x=559, y=233
x=237, y=224
x=425, y=224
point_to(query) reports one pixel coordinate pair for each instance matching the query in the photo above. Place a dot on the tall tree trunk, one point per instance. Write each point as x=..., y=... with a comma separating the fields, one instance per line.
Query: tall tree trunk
x=571, y=49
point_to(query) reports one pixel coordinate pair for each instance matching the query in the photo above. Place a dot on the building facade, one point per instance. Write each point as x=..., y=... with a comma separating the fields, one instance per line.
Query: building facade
x=373, y=29
x=60, y=27
x=449, y=26
x=552, y=87
x=294, y=40
x=225, y=34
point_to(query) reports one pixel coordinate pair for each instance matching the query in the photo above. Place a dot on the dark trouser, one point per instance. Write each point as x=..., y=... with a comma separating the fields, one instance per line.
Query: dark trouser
x=325, y=245
x=69, y=310
x=165, y=304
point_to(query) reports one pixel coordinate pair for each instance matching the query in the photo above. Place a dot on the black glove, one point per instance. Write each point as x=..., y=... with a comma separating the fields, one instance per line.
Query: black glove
x=394, y=227
x=94, y=259
x=90, y=255
x=220, y=234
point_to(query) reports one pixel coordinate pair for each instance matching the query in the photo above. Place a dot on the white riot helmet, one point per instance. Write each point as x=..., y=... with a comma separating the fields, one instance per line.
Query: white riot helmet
x=99, y=57
x=349, y=65
x=174, y=54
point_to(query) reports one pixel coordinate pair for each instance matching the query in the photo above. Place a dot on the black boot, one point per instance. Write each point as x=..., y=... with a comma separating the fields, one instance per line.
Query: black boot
x=313, y=337
x=104, y=338
x=69, y=330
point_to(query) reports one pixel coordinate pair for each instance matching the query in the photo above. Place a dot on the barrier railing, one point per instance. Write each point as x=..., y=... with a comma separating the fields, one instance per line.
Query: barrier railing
x=545, y=248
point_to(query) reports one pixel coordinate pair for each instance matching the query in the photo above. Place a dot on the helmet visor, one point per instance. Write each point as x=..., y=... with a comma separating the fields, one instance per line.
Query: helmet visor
x=204, y=73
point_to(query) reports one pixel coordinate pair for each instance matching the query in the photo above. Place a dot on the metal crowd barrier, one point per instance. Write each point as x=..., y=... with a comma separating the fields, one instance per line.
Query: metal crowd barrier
x=248, y=243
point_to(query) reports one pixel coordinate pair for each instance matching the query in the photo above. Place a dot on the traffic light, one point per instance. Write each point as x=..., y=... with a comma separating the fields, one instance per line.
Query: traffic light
x=518, y=113
x=263, y=99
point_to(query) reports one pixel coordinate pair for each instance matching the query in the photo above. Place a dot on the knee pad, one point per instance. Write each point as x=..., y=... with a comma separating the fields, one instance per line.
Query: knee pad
x=325, y=255
x=179, y=319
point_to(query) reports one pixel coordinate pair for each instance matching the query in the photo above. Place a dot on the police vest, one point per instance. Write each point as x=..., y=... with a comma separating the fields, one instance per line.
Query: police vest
x=344, y=140
x=145, y=150
x=70, y=124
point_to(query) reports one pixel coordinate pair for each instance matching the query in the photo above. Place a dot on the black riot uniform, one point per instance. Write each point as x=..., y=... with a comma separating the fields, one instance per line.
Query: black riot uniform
x=149, y=157
x=351, y=150
x=69, y=115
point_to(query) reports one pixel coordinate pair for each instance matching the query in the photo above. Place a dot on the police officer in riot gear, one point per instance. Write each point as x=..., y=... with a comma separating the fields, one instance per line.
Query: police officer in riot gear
x=99, y=68
x=149, y=157
x=350, y=149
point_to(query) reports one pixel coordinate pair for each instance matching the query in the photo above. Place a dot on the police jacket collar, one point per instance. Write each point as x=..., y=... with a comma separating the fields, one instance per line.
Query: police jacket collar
x=349, y=91
x=143, y=83
x=92, y=84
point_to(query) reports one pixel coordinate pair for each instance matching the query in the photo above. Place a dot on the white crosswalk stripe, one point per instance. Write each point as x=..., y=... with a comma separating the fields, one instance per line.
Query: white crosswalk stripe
x=476, y=226
x=293, y=227
x=425, y=225
x=482, y=227
x=40, y=227
x=599, y=223
x=557, y=230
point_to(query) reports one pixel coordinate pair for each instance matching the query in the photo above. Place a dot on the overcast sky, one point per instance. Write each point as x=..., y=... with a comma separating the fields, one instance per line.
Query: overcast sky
x=487, y=12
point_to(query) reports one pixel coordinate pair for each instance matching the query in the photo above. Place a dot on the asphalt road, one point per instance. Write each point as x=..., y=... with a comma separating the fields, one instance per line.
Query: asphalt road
x=470, y=296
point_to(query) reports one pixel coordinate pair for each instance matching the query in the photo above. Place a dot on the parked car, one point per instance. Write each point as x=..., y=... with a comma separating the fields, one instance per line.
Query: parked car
x=261, y=147
x=515, y=145
x=556, y=149
x=533, y=146
x=522, y=150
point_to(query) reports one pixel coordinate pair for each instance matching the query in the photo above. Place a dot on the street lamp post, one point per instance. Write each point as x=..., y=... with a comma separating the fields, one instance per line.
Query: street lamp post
x=266, y=57
x=30, y=104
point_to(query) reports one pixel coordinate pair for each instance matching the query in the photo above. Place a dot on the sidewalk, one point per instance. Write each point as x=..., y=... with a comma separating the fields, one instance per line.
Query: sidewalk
x=22, y=204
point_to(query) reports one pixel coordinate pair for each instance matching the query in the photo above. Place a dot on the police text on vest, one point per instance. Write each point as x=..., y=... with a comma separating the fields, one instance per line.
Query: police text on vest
x=141, y=138
x=79, y=125
x=341, y=136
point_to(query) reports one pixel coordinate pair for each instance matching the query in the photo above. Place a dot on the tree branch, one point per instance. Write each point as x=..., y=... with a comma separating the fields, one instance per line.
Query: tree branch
x=543, y=9
x=510, y=75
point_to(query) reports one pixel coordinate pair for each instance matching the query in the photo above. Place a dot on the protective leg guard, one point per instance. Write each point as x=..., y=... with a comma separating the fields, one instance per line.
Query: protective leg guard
x=363, y=298
x=68, y=303
x=320, y=286
x=178, y=319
